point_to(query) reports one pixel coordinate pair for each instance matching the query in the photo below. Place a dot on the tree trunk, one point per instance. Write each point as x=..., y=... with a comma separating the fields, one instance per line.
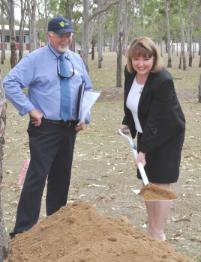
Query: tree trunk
x=193, y=49
x=168, y=33
x=21, y=29
x=142, y=15
x=13, y=48
x=32, y=25
x=69, y=9
x=199, y=91
x=46, y=15
x=3, y=237
x=125, y=27
x=190, y=30
x=85, y=33
x=100, y=35
x=177, y=48
x=183, y=55
x=200, y=53
x=119, y=46
x=180, y=59
x=13, y=57
x=161, y=45
x=3, y=53
x=114, y=44
x=93, y=44
x=190, y=47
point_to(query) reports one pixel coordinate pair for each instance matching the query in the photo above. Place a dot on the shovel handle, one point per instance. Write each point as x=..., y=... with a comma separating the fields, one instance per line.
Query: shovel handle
x=134, y=151
x=141, y=168
x=143, y=174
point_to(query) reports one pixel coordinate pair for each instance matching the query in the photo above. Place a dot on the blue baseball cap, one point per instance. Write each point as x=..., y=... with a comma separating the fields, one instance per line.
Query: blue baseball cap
x=60, y=25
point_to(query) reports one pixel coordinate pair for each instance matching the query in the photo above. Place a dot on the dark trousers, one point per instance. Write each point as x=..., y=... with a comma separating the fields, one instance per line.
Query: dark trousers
x=51, y=150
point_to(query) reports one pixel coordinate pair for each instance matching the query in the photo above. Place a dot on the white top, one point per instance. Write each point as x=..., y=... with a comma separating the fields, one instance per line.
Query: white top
x=133, y=102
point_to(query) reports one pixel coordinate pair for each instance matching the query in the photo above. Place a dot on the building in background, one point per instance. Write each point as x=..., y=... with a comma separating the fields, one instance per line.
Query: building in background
x=6, y=37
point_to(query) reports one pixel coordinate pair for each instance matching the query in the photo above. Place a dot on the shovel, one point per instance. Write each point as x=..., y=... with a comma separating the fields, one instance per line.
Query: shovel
x=150, y=192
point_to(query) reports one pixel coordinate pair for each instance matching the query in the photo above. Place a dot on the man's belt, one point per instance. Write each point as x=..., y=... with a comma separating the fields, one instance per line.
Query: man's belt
x=67, y=123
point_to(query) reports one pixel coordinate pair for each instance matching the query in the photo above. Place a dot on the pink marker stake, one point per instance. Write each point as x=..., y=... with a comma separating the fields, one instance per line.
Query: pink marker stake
x=23, y=172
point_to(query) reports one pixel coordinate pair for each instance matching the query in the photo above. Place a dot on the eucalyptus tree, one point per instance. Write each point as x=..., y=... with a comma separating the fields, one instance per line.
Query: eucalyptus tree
x=166, y=5
x=200, y=53
x=111, y=28
x=199, y=90
x=182, y=61
x=2, y=22
x=90, y=13
x=8, y=5
x=23, y=7
x=33, y=37
x=120, y=36
x=100, y=22
x=3, y=236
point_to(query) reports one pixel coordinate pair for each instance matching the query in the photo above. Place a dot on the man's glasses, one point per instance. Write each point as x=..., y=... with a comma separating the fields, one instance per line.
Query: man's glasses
x=68, y=70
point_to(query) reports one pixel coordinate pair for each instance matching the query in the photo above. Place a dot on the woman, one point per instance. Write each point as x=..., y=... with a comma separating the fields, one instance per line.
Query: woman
x=153, y=113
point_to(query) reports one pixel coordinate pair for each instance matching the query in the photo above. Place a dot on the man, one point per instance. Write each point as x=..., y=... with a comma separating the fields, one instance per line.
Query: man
x=55, y=77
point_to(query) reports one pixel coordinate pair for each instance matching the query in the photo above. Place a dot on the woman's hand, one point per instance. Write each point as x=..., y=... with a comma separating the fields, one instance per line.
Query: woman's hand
x=141, y=158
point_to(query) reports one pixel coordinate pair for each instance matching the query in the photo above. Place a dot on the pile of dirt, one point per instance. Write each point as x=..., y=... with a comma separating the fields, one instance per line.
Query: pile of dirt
x=79, y=234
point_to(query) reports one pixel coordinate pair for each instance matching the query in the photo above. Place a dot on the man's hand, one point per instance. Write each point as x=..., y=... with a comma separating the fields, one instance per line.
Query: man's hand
x=125, y=129
x=141, y=158
x=80, y=126
x=36, y=117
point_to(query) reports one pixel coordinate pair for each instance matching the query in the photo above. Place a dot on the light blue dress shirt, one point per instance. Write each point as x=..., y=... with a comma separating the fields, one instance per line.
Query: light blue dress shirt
x=38, y=72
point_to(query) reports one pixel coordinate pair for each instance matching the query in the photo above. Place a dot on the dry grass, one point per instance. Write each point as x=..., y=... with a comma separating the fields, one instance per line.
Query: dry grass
x=103, y=168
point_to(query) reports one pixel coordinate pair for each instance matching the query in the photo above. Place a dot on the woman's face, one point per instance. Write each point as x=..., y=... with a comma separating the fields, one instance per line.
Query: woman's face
x=142, y=65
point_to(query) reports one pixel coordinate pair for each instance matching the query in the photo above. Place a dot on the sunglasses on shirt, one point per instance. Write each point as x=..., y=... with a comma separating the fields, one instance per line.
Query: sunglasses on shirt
x=70, y=72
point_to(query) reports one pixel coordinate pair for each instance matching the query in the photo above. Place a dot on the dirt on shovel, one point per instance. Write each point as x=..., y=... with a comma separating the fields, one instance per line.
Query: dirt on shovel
x=153, y=192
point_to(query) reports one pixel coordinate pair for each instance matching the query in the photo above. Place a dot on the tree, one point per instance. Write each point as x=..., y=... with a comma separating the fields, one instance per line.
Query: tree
x=168, y=32
x=182, y=54
x=100, y=34
x=120, y=36
x=87, y=19
x=23, y=5
x=199, y=91
x=3, y=237
x=190, y=32
x=85, y=40
x=200, y=53
x=32, y=4
x=9, y=8
x=2, y=20
x=125, y=28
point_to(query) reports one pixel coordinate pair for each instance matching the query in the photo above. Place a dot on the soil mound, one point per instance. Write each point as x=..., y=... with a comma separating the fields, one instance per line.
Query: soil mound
x=77, y=233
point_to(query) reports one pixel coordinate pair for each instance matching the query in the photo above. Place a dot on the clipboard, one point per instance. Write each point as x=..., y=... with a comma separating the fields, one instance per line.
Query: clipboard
x=86, y=99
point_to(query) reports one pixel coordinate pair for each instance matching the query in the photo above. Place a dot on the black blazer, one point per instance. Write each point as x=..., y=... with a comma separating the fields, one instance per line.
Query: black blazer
x=159, y=111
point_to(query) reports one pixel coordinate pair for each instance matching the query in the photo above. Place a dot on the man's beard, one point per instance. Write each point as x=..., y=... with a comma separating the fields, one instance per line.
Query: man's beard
x=63, y=49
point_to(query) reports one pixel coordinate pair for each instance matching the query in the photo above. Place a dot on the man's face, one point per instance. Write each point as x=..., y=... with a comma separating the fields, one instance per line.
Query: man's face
x=60, y=42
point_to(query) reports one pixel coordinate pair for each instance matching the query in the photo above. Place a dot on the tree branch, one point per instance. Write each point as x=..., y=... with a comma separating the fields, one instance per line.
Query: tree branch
x=102, y=10
x=5, y=4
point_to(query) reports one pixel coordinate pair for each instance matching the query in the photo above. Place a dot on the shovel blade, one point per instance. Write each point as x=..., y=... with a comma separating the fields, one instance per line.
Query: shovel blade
x=153, y=192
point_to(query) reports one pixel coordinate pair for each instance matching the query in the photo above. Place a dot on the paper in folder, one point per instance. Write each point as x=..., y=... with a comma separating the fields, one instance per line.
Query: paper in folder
x=89, y=98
